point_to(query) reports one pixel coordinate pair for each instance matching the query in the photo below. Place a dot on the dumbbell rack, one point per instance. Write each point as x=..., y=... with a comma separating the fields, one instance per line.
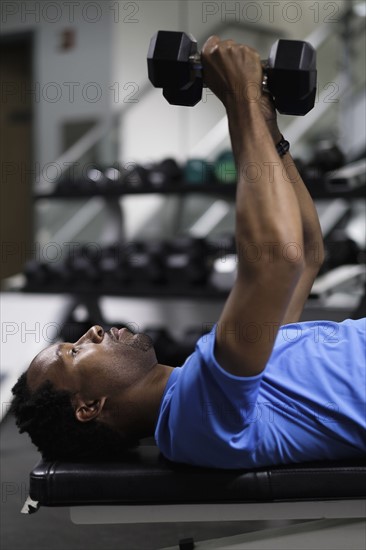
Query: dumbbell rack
x=88, y=293
x=223, y=190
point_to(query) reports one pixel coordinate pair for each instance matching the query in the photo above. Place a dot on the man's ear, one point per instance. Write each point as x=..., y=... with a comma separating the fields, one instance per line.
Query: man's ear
x=86, y=410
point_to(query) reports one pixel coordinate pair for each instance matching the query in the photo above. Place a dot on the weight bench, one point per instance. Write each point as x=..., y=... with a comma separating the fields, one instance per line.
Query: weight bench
x=147, y=488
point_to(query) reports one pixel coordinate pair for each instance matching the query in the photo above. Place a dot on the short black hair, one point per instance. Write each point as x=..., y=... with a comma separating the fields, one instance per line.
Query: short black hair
x=47, y=415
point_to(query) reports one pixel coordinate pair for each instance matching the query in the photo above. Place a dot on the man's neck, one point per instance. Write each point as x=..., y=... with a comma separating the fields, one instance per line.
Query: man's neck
x=142, y=403
x=155, y=387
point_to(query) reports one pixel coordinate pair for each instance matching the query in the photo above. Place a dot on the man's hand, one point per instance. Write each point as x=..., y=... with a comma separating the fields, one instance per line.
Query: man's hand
x=235, y=72
x=232, y=71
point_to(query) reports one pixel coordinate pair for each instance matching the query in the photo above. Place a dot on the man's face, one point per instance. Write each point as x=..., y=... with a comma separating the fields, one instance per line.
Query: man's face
x=99, y=364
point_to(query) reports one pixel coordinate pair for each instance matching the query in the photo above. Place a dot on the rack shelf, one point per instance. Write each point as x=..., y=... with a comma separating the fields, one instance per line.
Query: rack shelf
x=224, y=190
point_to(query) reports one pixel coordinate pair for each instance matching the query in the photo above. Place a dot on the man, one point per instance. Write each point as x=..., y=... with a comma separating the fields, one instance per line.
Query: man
x=260, y=388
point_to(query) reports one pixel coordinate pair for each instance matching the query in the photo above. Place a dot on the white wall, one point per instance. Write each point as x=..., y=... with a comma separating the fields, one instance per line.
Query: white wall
x=111, y=52
x=153, y=129
x=68, y=85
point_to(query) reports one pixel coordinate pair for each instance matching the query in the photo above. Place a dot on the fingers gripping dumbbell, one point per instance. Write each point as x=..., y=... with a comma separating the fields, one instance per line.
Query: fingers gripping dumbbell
x=289, y=73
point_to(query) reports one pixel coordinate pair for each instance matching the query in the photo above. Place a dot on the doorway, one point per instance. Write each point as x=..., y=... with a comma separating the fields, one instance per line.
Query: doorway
x=16, y=130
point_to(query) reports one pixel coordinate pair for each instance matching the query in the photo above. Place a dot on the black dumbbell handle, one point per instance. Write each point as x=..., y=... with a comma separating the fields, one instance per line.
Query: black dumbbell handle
x=289, y=73
x=197, y=68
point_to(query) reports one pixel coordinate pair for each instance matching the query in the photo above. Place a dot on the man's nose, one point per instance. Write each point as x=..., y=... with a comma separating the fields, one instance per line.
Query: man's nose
x=95, y=334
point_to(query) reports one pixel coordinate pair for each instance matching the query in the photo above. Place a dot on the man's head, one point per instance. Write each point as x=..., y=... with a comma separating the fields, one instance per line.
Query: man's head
x=87, y=399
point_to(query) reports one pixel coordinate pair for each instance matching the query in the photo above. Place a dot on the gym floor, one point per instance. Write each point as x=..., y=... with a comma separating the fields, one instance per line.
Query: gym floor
x=52, y=527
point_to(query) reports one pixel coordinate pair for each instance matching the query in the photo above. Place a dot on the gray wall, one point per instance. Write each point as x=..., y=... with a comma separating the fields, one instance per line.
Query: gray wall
x=109, y=59
x=70, y=85
x=152, y=129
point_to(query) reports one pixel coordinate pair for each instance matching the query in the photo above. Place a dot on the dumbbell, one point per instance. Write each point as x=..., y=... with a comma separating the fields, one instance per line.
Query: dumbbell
x=113, y=267
x=164, y=173
x=289, y=73
x=43, y=275
x=145, y=262
x=225, y=169
x=198, y=171
x=137, y=177
x=186, y=261
x=155, y=175
x=220, y=245
x=340, y=249
x=95, y=179
x=101, y=179
x=82, y=266
x=327, y=156
x=36, y=273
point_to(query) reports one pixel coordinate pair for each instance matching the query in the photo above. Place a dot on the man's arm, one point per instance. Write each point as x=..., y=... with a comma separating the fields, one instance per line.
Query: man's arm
x=312, y=235
x=267, y=216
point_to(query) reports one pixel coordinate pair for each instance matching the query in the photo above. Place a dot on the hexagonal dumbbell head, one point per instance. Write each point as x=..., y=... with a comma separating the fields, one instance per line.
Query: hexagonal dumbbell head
x=188, y=96
x=168, y=60
x=291, y=73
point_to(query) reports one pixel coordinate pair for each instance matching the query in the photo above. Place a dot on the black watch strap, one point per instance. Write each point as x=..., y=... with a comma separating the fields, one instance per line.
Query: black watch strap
x=282, y=146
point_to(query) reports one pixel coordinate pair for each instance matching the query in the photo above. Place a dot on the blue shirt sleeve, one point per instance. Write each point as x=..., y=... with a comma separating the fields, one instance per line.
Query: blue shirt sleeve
x=206, y=413
x=308, y=403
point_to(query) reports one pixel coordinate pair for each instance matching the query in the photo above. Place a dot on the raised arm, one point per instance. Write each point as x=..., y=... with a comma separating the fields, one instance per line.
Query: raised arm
x=312, y=235
x=269, y=232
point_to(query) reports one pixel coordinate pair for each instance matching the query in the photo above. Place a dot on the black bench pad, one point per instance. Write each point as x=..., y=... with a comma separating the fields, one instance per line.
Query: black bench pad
x=146, y=477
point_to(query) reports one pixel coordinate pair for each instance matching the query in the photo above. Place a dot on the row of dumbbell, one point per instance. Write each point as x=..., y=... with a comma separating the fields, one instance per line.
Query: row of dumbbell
x=168, y=173
x=178, y=262
x=158, y=176
x=181, y=263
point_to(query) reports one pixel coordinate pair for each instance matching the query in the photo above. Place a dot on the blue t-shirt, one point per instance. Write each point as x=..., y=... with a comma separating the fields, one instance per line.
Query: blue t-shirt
x=309, y=403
